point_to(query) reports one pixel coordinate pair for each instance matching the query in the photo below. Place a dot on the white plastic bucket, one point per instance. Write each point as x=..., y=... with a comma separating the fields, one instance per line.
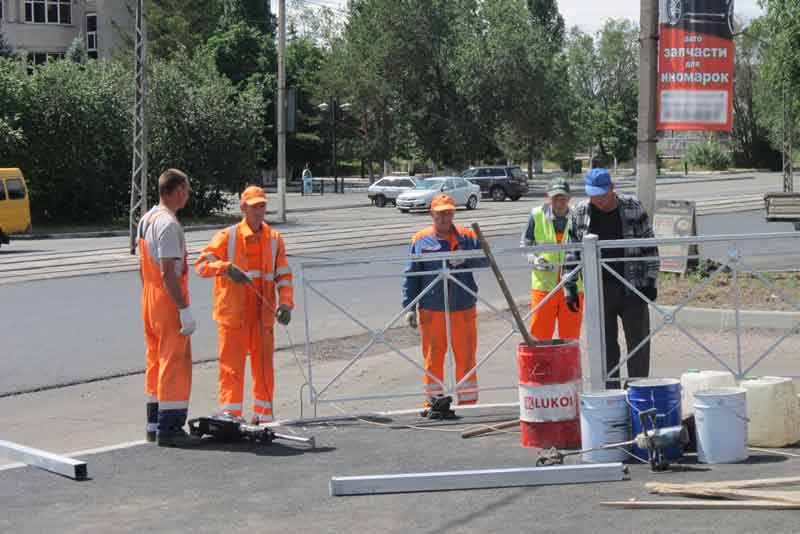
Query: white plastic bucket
x=721, y=420
x=604, y=419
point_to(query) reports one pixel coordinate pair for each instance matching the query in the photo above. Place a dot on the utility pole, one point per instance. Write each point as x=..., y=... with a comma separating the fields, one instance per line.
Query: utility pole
x=648, y=75
x=282, y=110
x=138, y=205
x=788, y=131
x=334, y=121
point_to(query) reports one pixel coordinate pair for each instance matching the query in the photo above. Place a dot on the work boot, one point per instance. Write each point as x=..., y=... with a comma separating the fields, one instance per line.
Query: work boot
x=177, y=438
x=150, y=436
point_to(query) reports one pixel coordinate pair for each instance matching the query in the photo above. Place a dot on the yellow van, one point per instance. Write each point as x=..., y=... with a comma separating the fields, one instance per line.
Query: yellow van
x=15, y=208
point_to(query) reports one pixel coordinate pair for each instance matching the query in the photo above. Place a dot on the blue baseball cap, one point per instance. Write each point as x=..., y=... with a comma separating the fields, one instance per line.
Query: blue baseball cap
x=598, y=182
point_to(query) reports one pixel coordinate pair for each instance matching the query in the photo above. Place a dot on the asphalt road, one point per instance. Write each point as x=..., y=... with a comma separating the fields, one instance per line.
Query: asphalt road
x=61, y=330
x=283, y=488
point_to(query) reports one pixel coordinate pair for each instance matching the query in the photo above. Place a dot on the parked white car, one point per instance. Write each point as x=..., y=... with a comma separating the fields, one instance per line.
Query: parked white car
x=387, y=189
x=464, y=193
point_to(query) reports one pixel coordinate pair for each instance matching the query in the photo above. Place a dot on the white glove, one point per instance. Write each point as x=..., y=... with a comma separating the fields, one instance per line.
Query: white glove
x=455, y=264
x=411, y=319
x=532, y=258
x=542, y=264
x=188, y=323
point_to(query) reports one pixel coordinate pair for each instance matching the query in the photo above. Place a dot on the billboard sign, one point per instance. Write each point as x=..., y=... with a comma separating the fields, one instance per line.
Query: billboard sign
x=695, y=65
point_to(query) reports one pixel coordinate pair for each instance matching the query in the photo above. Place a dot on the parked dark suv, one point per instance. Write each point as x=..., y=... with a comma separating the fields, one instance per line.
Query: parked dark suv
x=498, y=182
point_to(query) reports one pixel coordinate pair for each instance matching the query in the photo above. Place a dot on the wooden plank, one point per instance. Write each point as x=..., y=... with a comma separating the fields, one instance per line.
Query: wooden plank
x=700, y=505
x=730, y=484
x=55, y=463
x=487, y=478
x=487, y=428
x=792, y=497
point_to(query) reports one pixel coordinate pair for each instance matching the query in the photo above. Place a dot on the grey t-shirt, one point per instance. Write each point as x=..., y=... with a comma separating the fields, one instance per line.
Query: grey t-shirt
x=164, y=236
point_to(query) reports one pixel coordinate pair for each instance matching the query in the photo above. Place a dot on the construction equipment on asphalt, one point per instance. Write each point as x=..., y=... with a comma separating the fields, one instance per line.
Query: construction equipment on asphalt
x=227, y=427
x=439, y=408
x=655, y=440
x=485, y=478
x=512, y=305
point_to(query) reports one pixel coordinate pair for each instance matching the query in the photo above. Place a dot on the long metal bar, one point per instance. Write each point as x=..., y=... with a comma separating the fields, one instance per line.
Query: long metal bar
x=737, y=295
x=138, y=205
x=55, y=463
x=410, y=360
x=593, y=311
x=450, y=361
x=281, y=110
x=307, y=318
x=692, y=240
x=477, y=479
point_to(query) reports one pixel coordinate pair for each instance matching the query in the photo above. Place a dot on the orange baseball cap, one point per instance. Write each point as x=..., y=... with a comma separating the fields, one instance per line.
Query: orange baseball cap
x=253, y=195
x=442, y=202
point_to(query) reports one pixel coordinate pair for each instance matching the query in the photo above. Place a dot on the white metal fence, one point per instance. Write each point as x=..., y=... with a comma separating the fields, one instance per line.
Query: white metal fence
x=592, y=265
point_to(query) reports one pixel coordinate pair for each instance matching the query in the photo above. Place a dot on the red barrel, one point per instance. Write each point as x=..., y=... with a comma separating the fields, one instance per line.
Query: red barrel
x=549, y=385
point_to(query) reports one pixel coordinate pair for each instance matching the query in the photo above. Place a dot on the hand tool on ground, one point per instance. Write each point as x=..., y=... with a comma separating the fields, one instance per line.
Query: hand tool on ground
x=512, y=305
x=655, y=441
x=226, y=427
x=439, y=408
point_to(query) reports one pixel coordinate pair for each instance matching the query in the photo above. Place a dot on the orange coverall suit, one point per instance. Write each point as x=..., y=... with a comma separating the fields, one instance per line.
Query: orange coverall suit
x=168, y=369
x=245, y=321
x=541, y=231
x=463, y=322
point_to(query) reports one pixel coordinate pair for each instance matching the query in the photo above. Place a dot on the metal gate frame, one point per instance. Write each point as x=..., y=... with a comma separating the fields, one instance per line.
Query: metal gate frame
x=594, y=266
x=443, y=275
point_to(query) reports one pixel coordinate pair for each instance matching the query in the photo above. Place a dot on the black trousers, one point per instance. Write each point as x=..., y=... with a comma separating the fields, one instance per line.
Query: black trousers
x=635, y=317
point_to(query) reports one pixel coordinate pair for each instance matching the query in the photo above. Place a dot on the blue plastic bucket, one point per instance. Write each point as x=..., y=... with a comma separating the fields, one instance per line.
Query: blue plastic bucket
x=663, y=394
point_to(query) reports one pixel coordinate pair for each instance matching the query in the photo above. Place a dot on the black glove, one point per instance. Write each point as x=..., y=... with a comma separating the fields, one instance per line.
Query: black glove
x=283, y=314
x=573, y=300
x=650, y=292
x=237, y=275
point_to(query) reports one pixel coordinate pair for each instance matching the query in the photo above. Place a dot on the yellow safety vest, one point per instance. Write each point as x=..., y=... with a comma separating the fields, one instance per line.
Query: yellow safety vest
x=544, y=233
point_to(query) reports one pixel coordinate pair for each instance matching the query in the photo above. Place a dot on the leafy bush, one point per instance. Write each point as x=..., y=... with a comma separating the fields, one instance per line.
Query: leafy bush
x=711, y=155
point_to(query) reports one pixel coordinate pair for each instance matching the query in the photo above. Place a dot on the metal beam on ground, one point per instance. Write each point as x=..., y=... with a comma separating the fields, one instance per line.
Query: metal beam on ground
x=55, y=463
x=479, y=479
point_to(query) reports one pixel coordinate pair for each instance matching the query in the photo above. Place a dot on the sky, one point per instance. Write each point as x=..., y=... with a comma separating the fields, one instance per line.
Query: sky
x=591, y=14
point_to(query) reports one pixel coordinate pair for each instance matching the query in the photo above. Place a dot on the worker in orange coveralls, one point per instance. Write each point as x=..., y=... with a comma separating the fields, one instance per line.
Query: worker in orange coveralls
x=168, y=322
x=444, y=236
x=248, y=261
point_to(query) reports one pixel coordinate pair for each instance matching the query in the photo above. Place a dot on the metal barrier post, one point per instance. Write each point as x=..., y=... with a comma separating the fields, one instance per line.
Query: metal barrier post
x=593, y=311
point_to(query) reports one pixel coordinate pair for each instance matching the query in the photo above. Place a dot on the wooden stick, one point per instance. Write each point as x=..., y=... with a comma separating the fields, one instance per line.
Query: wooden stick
x=700, y=505
x=773, y=451
x=792, y=497
x=730, y=484
x=503, y=286
x=487, y=428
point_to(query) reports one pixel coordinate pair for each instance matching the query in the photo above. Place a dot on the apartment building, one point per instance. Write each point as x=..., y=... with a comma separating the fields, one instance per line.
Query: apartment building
x=46, y=28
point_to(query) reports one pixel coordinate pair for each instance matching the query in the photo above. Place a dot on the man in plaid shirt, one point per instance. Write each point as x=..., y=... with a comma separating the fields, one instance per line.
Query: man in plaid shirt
x=615, y=216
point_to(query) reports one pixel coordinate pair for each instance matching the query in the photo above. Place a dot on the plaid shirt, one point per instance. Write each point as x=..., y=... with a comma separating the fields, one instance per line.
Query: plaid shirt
x=635, y=225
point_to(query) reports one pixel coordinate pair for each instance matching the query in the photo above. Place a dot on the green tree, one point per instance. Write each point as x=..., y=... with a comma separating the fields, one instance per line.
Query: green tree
x=175, y=25
x=604, y=73
x=202, y=124
x=527, y=78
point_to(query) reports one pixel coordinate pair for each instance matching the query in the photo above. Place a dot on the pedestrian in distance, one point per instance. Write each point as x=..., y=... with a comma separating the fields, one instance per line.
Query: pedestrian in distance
x=167, y=317
x=444, y=236
x=611, y=215
x=252, y=289
x=549, y=224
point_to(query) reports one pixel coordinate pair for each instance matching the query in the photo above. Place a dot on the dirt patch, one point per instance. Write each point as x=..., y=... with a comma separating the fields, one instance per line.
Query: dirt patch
x=754, y=293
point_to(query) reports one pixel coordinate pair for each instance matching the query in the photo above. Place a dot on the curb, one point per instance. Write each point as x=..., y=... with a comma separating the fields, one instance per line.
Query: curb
x=725, y=319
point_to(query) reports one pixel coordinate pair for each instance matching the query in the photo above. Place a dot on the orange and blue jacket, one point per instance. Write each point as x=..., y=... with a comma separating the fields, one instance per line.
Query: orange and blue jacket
x=425, y=241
